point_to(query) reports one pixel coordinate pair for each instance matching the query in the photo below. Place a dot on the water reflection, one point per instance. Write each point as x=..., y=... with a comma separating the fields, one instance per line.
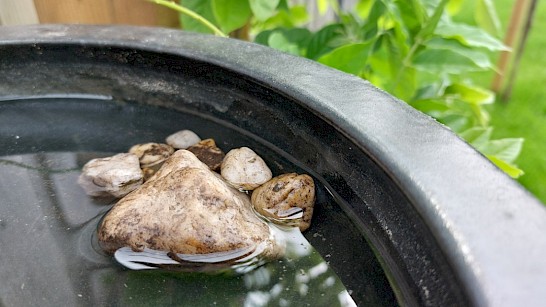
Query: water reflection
x=48, y=258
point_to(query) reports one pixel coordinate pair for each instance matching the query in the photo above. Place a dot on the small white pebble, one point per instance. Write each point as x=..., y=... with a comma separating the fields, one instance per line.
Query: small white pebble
x=183, y=139
x=243, y=168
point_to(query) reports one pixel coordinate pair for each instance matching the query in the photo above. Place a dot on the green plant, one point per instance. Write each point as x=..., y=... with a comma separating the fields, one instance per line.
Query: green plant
x=412, y=49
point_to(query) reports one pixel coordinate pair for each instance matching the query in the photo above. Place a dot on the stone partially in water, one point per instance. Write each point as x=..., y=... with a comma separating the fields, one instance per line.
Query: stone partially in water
x=244, y=169
x=183, y=139
x=186, y=209
x=208, y=153
x=287, y=198
x=151, y=154
x=111, y=176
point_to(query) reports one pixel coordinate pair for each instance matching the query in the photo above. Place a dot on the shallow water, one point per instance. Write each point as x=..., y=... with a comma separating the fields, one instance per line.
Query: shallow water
x=47, y=256
x=47, y=236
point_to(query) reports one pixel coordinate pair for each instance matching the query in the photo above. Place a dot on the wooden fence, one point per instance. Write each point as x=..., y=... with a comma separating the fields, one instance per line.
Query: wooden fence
x=132, y=12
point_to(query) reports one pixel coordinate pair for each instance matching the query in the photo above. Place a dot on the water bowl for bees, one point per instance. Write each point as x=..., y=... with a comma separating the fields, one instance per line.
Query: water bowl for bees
x=406, y=212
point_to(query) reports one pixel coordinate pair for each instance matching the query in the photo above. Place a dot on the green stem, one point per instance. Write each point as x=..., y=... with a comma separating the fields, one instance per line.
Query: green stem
x=426, y=31
x=192, y=14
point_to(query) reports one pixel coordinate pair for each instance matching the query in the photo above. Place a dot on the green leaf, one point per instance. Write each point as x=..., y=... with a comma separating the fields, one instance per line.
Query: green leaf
x=469, y=93
x=201, y=7
x=363, y=8
x=278, y=41
x=469, y=36
x=477, y=136
x=454, y=6
x=413, y=15
x=288, y=17
x=505, y=149
x=432, y=23
x=263, y=9
x=510, y=169
x=291, y=40
x=444, y=61
x=349, y=58
x=323, y=41
x=231, y=14
x=371, y=20
x=480, y=58
x=486, y=17
x=430, y=106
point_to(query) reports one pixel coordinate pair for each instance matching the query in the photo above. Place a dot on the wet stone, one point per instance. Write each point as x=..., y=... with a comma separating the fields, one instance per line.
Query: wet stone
x=244, y=169
x=208, y=153
x=151, y=154
x=183, y=139
x=286, y=199
x=111, y=176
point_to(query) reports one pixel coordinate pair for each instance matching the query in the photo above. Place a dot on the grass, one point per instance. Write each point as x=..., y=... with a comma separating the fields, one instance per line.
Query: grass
x=524, y=114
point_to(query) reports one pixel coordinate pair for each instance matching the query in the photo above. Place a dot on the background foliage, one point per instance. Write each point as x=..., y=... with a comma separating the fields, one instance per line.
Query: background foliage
x=414, y=49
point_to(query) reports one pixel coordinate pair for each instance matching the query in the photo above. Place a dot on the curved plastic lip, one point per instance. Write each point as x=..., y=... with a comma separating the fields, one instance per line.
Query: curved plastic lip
x=490, y=228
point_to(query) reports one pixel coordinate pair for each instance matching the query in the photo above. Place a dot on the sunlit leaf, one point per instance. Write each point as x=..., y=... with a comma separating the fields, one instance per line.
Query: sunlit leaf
x=472, y=94
x=363, y=8
x=510, y=169
x=288, y=17
x=480, y=58
x=477, y=136
x=231, y=14
x=505, y=149
x=263, y=9
x=370, y=27
x=469, y=36
x=444, y=61
x=454, y=6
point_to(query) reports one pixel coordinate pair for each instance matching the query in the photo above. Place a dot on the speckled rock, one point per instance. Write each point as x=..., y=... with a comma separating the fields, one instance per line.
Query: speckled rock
x=183, y=139
x=208, y=153
x=151, y=154
x=244, y=169
x=277, y=198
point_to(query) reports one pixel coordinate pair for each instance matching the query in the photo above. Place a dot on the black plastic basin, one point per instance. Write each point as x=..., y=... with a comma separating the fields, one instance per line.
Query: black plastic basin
x=407, y=212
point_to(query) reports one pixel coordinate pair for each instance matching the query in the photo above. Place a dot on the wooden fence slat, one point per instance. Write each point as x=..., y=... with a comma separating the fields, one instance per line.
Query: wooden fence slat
x=139, y=12
x=74, y=11
x=13, y=12
x=133, y=12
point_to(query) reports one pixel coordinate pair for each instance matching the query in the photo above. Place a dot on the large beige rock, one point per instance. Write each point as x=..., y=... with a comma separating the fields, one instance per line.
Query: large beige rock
x=187, y=209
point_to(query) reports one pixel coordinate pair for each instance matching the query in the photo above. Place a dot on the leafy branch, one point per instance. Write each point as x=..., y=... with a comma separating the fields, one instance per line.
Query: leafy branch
x=410, y=48
x=425, y=33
